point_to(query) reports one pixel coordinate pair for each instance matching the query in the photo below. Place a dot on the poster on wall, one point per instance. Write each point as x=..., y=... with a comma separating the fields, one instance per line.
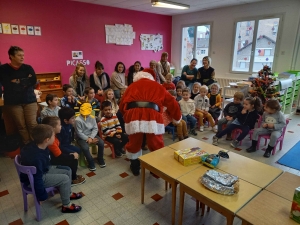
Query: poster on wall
x=119, y=34
x=151, y=42
x=0, y=28
x=77, y=55
x=6, y=28
x=37, y=31
x=30, y=30
x=23, y=29
x=14, y=29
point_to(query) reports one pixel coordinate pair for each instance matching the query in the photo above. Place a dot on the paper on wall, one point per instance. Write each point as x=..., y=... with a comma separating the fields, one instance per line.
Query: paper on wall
x=119, y=34
x=151, y=42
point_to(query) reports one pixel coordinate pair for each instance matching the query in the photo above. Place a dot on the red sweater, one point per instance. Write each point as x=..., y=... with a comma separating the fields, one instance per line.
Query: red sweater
x=170, y=86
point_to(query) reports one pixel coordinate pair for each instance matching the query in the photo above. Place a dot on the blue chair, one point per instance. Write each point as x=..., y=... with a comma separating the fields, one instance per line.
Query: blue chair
x=171, y=129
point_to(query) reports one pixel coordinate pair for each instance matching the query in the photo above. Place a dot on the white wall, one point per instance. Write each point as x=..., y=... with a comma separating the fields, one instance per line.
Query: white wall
x=222, y=33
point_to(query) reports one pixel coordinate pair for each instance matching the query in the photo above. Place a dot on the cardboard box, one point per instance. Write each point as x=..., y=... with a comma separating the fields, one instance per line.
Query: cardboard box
x=295, y=210
x=189, y=156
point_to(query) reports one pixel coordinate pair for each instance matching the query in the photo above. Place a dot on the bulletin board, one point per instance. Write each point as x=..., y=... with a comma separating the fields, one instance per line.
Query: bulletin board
x=151, y=42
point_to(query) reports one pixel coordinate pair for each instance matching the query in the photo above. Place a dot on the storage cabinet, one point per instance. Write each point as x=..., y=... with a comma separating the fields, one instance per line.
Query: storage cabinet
x=50, y=83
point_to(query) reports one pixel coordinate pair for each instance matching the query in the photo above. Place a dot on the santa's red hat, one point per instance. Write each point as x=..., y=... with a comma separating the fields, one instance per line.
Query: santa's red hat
x=146, y=73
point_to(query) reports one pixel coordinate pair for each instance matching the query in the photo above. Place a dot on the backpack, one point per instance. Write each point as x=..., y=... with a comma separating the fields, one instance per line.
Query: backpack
x=9, y=143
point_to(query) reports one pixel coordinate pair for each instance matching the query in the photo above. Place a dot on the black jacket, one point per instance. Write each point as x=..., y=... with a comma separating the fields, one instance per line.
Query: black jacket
x=130, y=74
x=248, y=119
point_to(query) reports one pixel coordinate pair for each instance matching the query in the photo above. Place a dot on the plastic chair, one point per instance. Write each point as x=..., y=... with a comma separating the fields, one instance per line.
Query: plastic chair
x=30, y=170
x=172, y=130
x=267, y=136
x=106, y=143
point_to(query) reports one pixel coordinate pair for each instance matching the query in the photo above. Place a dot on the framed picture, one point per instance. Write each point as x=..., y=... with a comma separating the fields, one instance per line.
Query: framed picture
x=77, y=55
x=14, y=29
x=0, y=28
x=30, y=30
x=6, y=28
x=23, y=29
x=37, y=31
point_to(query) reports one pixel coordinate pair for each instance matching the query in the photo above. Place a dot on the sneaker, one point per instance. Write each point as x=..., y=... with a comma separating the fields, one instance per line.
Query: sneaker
x=215, y=140
x=215, y=129
x=102, y=163
x=92, y=168
x=201, y=128
x=193, y=132
x=79, y=180
x=251, y=149
x=72, y=209
x=234, y=143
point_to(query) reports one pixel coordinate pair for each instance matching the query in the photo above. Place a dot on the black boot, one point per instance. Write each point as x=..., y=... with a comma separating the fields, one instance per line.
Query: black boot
x=268, y=151
x=135, y=167
x=253, y=147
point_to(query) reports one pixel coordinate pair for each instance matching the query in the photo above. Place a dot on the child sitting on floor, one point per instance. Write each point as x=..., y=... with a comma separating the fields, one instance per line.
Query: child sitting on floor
x=168, y=85
x=60, y=158
x=69, y=100
x=52, y=108
x=195, y=90
x=215, y=101
x=111, y=129
x=272, y=123
x=202, y=108
x=37, y=154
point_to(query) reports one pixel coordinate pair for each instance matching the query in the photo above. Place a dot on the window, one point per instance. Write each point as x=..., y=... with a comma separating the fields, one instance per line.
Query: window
x=195, y=43
x=255, y=44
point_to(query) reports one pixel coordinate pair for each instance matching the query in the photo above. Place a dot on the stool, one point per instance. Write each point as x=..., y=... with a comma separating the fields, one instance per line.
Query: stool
x=82, y=161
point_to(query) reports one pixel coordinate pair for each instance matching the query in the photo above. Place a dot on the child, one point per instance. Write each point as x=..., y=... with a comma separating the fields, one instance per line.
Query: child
x=52, y=108
x=202, y=108
x=111, y=129
x=60, y=158
x=69, y=100
x=89, y=94
x=36, y=154
x=87, y=133
x=178, y=93
x=245, y=121
x=273, y=122
x=187, y=107
x=215, y=101
x=66, y=135
x=195, y=90
x=230, y=112
x=180, y=127
x=168, y=85
x=181, y=83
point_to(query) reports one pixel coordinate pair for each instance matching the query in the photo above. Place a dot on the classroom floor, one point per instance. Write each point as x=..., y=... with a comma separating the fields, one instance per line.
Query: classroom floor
x=112, y=194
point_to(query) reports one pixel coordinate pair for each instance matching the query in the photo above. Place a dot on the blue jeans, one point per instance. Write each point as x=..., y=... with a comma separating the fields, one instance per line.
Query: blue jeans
x=117, y=94
x=231, y=127
x=191, y=120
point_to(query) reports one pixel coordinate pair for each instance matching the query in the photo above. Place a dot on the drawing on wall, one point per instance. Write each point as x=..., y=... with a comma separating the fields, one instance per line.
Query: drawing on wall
x=37, y=31
x=77, y=55
x=0, y=28
x=23, y=29
x=119, y=34
x=151, y=42
x=6, y=28
x=30, y=30
x=14, y=29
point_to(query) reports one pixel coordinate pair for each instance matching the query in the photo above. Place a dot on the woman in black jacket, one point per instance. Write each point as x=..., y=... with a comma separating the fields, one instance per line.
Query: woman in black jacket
x=136, y=67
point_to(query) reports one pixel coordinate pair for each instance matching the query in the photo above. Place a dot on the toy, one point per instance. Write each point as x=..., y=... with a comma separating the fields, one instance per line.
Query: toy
x=213, y=160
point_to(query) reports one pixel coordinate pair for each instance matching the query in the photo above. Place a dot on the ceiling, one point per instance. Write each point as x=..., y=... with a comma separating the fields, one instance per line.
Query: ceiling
x=145, y=5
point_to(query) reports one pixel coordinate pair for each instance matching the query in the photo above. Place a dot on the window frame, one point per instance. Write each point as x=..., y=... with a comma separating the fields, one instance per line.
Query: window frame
x=252, y=56
x=195, y=41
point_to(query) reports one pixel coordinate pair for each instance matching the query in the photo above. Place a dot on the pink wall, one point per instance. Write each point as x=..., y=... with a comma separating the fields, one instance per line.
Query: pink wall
x=68, y=25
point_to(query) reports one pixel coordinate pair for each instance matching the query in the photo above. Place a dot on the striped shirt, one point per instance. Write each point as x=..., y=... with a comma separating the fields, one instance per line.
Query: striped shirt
x=110, y=126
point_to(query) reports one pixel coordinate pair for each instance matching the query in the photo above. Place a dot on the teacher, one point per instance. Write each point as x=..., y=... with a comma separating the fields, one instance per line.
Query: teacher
x=189, y=73
x=206, y=74
x=18, y=80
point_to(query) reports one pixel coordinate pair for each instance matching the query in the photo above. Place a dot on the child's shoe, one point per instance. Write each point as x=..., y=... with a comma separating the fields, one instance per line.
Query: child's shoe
x=118, y=154
x=215, y=140
x=206, y=124
x=228, y=137
x=180, y=138
x=186, y=137
x=215, y=128
x=201, y=128
x=102, y=163
x=123, y=151
x=72, y=209
x=92, y=168
x=79, y=180
x=75, y=196
x=267, y=154
x=251, y=149
x=234, y=143
x=193, y=132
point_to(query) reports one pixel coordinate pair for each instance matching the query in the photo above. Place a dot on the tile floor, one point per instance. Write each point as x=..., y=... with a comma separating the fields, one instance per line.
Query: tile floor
x=112, y=194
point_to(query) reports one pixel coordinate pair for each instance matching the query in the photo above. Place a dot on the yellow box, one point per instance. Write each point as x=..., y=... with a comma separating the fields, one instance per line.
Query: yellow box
x=189, y=156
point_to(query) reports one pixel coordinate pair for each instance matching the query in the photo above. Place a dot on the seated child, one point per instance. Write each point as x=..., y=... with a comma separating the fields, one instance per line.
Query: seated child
x=230, y=112
x=60, y=158
x=195, y=90
x=111, y=129
x=215, y=101
x=202, y=108
x=87, y=133
x=187, y=107
x=69, y=100
x=178, y=93
x=169, y=85
x=66, y=135
x=36, y=154
x=52, y=108
x=181, y=83
x=89, y=94
x=244, y=121
x=181, y=127
x=272, y=123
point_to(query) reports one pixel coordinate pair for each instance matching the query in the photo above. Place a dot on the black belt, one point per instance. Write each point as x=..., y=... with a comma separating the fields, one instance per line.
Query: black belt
x=150, y=105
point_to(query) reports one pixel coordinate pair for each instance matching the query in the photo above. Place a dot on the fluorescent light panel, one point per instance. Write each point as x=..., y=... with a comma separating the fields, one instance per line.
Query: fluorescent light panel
x=168, y=4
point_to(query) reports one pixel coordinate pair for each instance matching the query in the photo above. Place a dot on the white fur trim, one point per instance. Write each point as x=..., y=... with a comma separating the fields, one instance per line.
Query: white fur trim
x=141, y=75
x=177, y=121
x=143, y=126
x=134, y=155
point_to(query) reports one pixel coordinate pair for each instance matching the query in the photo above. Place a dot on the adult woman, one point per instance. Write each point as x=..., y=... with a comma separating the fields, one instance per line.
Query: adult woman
x=136, y=67
x=206, y=74
x=79, y=81
x=18, y=80
x=117, y=80
x=163, y=66
x=189, y=73
x=99, y=81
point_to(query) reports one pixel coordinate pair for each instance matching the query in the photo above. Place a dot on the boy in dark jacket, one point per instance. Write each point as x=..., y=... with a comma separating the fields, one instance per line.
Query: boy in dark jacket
x=36, y=154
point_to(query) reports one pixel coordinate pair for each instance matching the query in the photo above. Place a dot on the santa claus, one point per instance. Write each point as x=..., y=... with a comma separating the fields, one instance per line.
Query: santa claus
x=142, y=106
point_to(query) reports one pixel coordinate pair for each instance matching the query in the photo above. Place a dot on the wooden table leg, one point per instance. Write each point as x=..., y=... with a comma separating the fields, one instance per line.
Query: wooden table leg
x=244, y=222
x=181, y=205
x=230, y=219
x=166, y=185
x=174, y=186
x=142, y=183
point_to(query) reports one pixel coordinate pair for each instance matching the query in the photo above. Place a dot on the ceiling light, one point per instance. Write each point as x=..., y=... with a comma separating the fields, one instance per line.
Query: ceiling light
x=168, y=4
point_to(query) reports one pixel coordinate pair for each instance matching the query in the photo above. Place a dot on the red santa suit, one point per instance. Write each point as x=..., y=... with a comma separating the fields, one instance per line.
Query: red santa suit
x=140, y=120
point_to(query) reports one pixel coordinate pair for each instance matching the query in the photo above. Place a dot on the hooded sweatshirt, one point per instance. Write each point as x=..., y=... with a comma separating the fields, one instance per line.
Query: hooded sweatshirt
x=47, y=111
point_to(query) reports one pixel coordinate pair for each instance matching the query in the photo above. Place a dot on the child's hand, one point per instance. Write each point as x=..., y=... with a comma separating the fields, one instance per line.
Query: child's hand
x=81, y=98
x=244, y=111
x=95, y=141
x=229, y=118
x=70, y=98
x=75, y=154
x=205, y=112
x=265, y=125
x=270, y=125
x=89, y=141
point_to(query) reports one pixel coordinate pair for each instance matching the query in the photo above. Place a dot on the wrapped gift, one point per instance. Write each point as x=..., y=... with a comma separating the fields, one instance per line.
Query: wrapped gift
x=295, y=210
x=189, y=156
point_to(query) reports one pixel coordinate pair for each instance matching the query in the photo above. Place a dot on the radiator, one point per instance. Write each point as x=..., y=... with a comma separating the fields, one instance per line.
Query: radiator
x=223, y=82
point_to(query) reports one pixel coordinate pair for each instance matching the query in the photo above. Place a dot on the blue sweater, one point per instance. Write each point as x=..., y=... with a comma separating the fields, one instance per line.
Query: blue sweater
x=32, y=155
x=65, y=136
